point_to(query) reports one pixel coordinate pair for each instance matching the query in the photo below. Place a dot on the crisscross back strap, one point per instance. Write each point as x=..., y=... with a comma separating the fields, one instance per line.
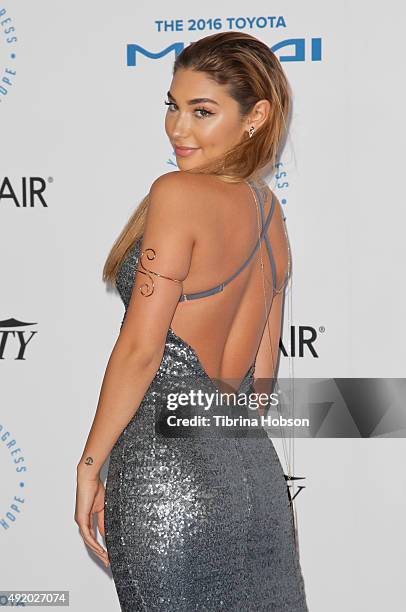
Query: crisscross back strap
x=220, y=287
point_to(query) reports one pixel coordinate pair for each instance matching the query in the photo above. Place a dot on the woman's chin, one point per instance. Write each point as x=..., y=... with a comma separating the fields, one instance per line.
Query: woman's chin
x=185, y=164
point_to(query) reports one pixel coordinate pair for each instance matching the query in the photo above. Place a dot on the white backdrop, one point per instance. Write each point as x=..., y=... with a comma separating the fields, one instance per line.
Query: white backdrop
x=89, y=129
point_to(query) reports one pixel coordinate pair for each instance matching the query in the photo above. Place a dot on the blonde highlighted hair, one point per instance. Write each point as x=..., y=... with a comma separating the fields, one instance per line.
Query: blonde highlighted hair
x=250, y=71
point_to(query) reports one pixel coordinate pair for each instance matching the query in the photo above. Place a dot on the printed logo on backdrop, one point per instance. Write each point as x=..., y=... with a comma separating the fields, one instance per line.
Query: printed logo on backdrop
x=28, y=191
x=300, y=51
x=15, y=337
x=8, y=54
x=287, y=49
x=13, y=479
x=302, y=341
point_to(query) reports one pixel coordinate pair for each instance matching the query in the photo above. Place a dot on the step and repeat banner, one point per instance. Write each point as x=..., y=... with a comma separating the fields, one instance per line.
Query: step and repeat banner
x=82, y=90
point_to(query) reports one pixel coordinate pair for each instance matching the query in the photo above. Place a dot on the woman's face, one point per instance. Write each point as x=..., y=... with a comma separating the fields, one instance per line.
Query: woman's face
x=207, y=128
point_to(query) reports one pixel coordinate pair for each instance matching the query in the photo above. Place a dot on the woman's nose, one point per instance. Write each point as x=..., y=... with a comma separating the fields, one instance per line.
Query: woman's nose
x=181, y=127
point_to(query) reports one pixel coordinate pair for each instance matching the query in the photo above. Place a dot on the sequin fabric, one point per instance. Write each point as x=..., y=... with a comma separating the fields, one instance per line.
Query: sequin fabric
x=192, y=523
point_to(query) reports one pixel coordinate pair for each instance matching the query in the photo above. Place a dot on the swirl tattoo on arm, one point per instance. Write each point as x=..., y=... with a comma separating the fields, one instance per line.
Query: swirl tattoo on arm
x=145, y=289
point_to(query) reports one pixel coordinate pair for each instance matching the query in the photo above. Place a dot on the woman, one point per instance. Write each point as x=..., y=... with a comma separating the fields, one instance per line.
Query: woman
x=198, y=521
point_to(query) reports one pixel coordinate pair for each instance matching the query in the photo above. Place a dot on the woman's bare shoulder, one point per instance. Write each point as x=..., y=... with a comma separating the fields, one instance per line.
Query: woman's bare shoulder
x=181, y=193
x=184, y=190
x=177, y=180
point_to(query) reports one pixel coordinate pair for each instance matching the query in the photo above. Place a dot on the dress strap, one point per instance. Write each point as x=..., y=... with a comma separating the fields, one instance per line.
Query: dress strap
x=220, y=287
x=270, y=254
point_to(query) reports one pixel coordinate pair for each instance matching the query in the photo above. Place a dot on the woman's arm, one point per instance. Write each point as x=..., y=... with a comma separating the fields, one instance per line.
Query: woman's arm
x=127, y=377
x=138, y=351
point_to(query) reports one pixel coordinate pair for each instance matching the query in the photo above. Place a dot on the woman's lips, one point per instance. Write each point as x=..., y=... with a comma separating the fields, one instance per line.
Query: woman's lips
x=184, y=151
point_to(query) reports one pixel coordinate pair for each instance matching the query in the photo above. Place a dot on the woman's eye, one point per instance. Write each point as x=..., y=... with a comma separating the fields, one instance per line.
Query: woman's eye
x=205, y=112
x=170, y=104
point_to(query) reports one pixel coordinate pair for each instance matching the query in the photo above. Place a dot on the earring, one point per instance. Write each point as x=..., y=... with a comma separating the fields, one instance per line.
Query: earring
x=251, y=131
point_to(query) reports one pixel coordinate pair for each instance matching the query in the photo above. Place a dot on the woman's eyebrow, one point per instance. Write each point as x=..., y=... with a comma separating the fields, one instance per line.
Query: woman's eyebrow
x=194, y=101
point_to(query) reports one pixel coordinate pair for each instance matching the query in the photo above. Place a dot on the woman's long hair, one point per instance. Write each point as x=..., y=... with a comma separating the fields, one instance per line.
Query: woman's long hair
x=251, y=72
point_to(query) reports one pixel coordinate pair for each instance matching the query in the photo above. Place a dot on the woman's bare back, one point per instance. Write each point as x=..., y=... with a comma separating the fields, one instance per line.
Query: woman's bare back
x=226, y=329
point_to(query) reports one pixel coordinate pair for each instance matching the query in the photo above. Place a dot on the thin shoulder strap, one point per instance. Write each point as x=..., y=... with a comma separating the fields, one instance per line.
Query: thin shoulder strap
x=263, y=232
x=220, y=287
x=269, y=249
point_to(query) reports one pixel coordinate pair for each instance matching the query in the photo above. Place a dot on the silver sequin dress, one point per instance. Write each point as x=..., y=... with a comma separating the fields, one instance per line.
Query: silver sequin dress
x=197, y=524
